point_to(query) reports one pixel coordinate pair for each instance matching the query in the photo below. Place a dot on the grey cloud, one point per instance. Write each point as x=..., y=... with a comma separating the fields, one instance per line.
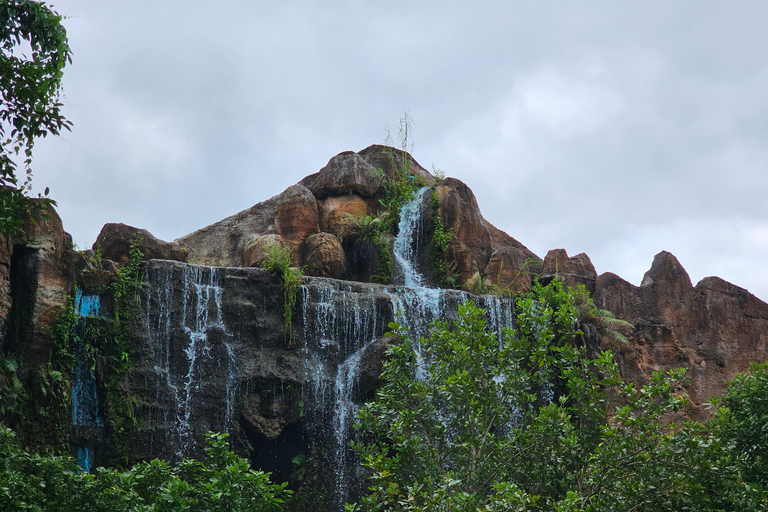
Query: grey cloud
x=612, y=128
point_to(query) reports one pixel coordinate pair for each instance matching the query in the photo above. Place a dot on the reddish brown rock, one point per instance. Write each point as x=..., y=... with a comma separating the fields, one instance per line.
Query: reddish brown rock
x=255, y=249
x=346, y=173
x=473, y=239
x=338, y=213
x=296, y=215
x=322, y=256
x=509, y=269
x=713, y=330
x=470, y=247
x=222, y=243
x=115, y=241
x=392, y=161
x=41, y=277
x=571, y=271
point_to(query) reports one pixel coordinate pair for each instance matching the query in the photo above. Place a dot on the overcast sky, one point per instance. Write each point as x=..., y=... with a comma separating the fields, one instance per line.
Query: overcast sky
x=618, y=129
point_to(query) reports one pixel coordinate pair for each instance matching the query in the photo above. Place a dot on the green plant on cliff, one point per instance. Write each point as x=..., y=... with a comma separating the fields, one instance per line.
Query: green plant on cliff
x=116, y=350
x=125, y=295
x=609, y=327
x=400, y=187
x=439, y=243
x=33, y=52
x=278, y=259
x=13, y=396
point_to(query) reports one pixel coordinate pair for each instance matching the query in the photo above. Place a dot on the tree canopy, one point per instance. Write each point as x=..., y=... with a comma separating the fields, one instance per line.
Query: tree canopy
x=223, y=482
x=33, y=52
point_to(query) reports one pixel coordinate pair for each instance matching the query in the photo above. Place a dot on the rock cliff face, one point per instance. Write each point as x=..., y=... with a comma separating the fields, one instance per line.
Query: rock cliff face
x=210, y=347
x=714, y=329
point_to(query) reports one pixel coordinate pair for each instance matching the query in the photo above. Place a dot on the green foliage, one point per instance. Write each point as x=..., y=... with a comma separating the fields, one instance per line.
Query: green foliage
x=438, y=246
x=34, y=482
x=607, y=325
x=278, y=259
x=117, y=352
x=29, y=99
x=224, y=482
x=742, y=421
x=398, y=190
x=384, y=275
x=13, y=396
x=63, y=335
x=368, y=227
x=438, y=174
x=535, y=424
x=477, y=284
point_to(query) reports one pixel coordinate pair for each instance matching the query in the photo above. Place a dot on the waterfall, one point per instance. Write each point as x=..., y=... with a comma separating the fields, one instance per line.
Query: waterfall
x=406, y=248
x=84, y=459
x=212, y=334
x=340, y=321
x=85, y=401
x=190, y=343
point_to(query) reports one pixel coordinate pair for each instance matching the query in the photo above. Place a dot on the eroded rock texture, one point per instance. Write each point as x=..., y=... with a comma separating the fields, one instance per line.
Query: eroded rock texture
x=714, y=329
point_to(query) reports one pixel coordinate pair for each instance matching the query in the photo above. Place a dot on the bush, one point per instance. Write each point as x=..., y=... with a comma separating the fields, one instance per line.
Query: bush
x=223, y=483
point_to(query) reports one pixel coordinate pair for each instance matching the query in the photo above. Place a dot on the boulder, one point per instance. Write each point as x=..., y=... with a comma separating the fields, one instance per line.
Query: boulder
x=392, y=160
x=323, y=256
x=345, y=173
x=255, y=249
x=509, y=269
x=571, y=271
x=338, y=213
x=296, y=215
x=94, y=273
x=470, y=247
x=115, y=242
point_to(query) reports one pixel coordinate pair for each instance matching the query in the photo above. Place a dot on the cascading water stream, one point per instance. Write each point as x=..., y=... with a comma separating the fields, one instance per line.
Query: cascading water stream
x=406, y=247
x=181, y=367
x=339, y=324
x=86, y=415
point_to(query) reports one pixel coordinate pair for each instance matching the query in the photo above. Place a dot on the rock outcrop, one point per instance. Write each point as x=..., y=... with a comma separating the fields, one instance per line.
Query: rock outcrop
x=351, y=186
x=714, y=329
x=41, y=277
x=115, y=240
x=571, y=271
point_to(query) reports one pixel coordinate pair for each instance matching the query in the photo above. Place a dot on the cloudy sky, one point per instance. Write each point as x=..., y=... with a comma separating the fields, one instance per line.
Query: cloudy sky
x=618, y=129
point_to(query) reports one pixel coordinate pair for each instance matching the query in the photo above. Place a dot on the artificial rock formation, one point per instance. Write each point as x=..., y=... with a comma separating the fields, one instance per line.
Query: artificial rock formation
x=714, y=329
x=115, y=241
x=211, y=348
